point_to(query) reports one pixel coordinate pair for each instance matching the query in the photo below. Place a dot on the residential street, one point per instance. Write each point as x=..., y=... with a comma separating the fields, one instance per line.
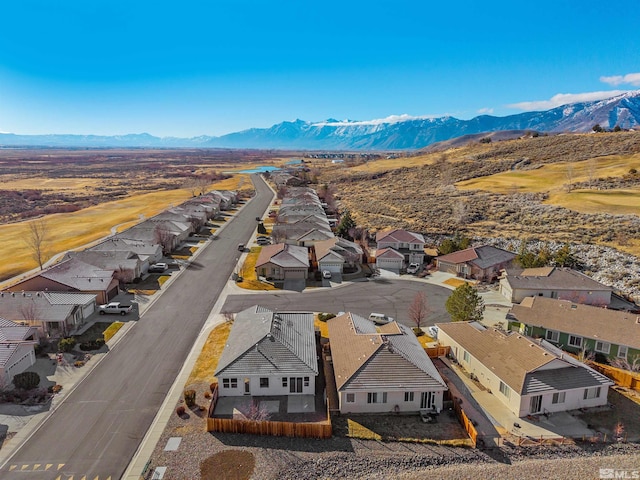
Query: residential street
x=383, y=295
x=95, y=432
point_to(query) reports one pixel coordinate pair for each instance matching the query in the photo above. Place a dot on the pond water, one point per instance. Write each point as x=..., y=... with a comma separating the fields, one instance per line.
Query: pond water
x=264, y=168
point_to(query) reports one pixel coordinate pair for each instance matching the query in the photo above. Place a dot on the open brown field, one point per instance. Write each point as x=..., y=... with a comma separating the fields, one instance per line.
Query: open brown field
x=83, y=194
x=44, y=181
x=69, y=231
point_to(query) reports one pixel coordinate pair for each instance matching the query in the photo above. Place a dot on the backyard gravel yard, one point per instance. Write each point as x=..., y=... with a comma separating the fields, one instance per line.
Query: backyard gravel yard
x=346, y=458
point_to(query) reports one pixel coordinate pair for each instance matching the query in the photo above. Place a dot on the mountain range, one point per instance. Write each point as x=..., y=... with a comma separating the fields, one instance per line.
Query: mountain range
x=394, y=133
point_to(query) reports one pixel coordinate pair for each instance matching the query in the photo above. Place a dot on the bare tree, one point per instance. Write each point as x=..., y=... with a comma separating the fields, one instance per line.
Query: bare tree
x=228, y=316
x=36, y=239
x=460, y=212
x=191, y=186
x=123, y=275
x=164, y=238
x=29, y=312
x=625, y=364
x=202, y=183
x=592, y=165
x=569, y=177
x=254, y=412
x=419, y=309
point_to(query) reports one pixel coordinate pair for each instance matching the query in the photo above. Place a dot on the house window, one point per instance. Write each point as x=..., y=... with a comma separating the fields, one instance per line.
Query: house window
x=306, y=381
x=575, y=341
x=558, y=397
x=375, y=397
x=590, y=393
x=351, y=397
x=408, y=396
x=284, y=382
x=264, y=382
x=622, y=351
x=552, y=336
x=465, y=356
x=229, y=383
x=505, y=390
x=603, y=347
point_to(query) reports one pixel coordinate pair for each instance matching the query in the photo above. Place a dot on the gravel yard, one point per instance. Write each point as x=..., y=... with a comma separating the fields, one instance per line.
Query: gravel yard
x=345, y=458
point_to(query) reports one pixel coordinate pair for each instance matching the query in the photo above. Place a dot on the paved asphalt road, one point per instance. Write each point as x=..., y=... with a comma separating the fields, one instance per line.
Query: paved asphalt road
x=97, y=429
x=389, y=296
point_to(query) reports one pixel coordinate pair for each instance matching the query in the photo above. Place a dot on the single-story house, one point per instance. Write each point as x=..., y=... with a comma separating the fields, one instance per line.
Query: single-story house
x=148, y=253
x=334, y=253
x=381, y=369
x=16, y=349
x=573, y=327
x=126, y=264
x=269, y=353
x=390, y=259
x=529, y=376
x=283, y=262
x=479, y=263
x=553, y=282
x=409, y=244
x=54, y=314
x=72, y=276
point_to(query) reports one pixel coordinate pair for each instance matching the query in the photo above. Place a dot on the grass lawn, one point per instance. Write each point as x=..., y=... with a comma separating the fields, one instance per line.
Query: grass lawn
x=324, y=328
x=553, y=177
x=112, y=330
x=248, y=273
x=208, y=359
x=454, y=282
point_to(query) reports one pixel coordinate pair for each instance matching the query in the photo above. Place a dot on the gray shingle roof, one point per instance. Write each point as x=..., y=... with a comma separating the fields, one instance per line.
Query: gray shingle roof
x=79, y=275
x=562, y=379
x=263, y=342
x=553, y=278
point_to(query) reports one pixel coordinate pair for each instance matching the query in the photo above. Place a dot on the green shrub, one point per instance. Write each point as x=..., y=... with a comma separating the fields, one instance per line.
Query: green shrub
x=26, y=380
x=190, y=398
x=66, y=344
x=323, y=317
x=418, y=331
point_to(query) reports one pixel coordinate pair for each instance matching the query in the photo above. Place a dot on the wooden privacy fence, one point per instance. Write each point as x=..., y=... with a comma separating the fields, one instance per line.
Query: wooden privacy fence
x=439, y=351
x=465, y=422
x=622, y=378
x=277, y=429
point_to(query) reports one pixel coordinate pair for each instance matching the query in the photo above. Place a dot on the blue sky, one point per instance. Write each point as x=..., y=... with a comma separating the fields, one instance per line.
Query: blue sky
x=213, y=67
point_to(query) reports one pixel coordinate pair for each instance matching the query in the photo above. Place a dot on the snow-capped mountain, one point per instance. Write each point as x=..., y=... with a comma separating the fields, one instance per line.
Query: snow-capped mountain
x=393, y=133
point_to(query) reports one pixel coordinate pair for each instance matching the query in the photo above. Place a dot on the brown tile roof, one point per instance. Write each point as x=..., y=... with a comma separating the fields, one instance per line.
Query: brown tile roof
x=389, y=252
x=364, y=358
x=618, y=328
x=509, y=355
x=483, y=256
x=284, y=255
x=399, y=235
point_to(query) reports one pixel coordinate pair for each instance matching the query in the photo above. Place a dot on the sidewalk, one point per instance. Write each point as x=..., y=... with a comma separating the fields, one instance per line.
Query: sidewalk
x=25, y=420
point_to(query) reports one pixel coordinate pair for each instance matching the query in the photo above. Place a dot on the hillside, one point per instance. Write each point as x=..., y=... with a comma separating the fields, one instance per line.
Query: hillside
x=456, y=190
